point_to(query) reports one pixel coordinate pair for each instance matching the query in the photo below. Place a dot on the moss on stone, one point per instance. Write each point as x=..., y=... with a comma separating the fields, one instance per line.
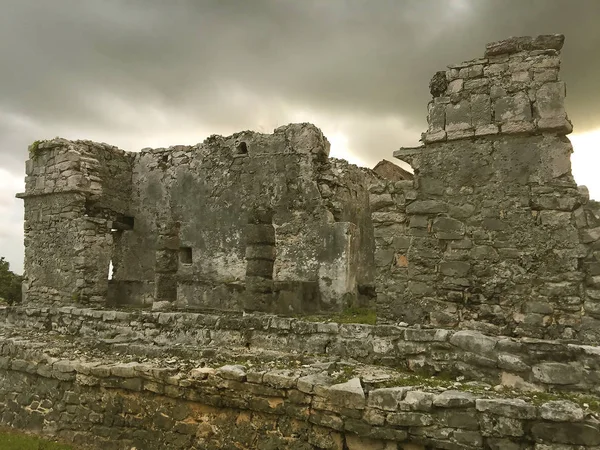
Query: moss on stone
x=35, y=150
x=349, y=315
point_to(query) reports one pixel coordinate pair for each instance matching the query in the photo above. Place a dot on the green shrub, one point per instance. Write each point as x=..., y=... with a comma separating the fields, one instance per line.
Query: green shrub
x=10, y=283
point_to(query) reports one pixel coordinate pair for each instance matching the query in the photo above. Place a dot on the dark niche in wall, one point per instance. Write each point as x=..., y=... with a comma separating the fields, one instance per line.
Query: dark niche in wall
x=241, y=148
x=185, y=255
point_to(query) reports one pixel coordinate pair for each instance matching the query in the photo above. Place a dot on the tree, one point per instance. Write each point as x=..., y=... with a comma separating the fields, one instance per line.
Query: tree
x=10, y=283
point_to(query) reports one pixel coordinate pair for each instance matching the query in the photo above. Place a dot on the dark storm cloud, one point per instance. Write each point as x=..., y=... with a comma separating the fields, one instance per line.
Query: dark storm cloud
x=120, y=70
x=341, y=57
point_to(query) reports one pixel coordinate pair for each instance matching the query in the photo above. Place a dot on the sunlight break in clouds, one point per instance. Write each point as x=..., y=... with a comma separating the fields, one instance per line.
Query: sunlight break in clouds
x=586, y=160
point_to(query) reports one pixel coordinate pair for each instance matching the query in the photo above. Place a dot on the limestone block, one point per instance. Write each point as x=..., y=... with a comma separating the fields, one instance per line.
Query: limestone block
x=266, y=252
x=495, y=70
x=166, y=261
x=567, y=433
x=513, y=108
x=260, y=234
x=353, y=442
x=451, y=74
x=561, y=411
x=348, y=395
x=545, y=75
x=387, y=399
x=455, y=86
x=380, y=201
x=476, y=71
x=481, y=110
x=517, y=127
x=454, y=399
x=478, y=86
x=455, y=268
x=557, y=373
x=473, y=341
x=308, y=383
x=427, y=207
x=280, y=379
x=511, y=362
x=448, y=228
x=409, y=419
x=423, y=335
x=458, y=116
x=550, y=99
x=460, y=134
x=506, y=407
x=437, y=136
x=500, y=426
x=556, y=124
x=232, y=372
x=418, y=401
x=516, y=44
x=521, y=77
x=436, y=117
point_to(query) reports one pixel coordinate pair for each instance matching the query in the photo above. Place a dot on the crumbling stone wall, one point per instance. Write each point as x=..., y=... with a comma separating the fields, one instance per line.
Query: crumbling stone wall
x=513, y=89
x=250, y=221
x=538, y=365
x=496, y=220
x=388, y=207
x=168, y=400
x=250, y=208
x=74, y=190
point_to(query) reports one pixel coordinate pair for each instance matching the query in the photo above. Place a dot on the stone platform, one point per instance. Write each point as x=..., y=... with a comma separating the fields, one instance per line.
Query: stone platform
x=135, y=379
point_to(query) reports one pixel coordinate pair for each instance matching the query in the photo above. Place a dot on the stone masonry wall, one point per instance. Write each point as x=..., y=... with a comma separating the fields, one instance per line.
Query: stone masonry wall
x=316, y=209
x=526, y=363
x=120, y=405
x=67, y=238
x=388, y=206
x=499, y=229
x=514, y=89
x=321, y=253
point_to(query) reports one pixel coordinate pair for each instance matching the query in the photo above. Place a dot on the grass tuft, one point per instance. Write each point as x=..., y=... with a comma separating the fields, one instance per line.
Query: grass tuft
x=12, y=440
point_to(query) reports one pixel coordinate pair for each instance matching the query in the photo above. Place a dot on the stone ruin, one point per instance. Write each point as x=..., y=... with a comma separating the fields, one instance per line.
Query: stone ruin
x=195, y=297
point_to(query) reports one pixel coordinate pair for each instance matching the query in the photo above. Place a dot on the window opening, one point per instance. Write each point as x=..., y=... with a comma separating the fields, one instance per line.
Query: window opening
x=242, y=148
x=185, y=255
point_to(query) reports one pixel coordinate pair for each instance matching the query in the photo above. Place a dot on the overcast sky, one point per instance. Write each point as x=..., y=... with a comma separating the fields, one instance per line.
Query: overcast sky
x=150, y=73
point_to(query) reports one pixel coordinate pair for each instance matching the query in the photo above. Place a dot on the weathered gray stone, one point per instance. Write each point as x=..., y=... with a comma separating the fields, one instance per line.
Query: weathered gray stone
x=418, y=400
x=349, y=394
x=557, y=373
x=513, y=408
x=232, y=372
x=387, y=399
x=567, y=433
x=561, y=411
x=454, y=399
x=515, y=108
x=473, y=341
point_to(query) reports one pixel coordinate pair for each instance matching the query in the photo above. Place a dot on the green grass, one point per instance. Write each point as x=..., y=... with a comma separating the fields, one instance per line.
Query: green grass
x=349, y=315
x=15, y=441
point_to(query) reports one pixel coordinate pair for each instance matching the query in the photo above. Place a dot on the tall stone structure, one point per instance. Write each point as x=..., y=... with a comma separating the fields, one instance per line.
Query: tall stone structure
x=499, y=231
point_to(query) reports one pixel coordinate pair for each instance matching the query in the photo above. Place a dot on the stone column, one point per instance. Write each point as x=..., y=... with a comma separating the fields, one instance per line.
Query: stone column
x=260, y=258
x=165, y=276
